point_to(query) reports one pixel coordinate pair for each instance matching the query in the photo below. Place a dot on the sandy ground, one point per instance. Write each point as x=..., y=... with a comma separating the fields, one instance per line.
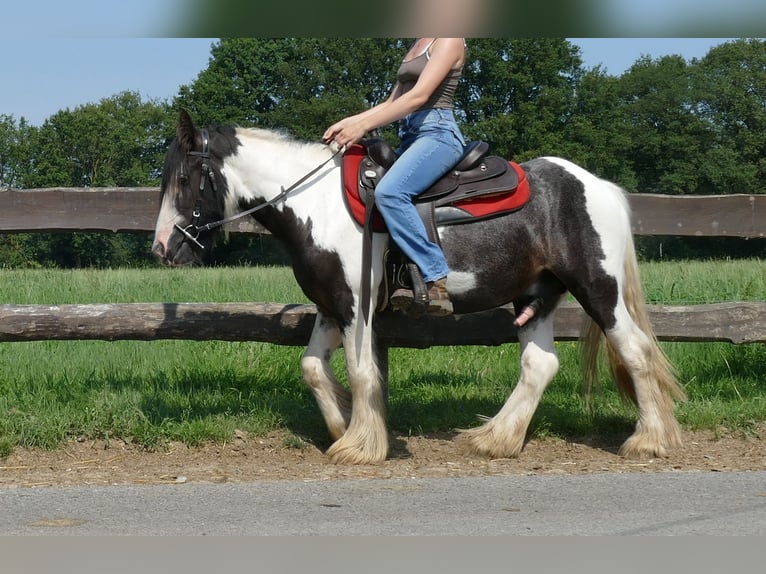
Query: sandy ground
x=275, y=457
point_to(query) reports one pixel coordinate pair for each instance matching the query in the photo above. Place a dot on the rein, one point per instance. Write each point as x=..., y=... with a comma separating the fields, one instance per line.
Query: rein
x=208, y=173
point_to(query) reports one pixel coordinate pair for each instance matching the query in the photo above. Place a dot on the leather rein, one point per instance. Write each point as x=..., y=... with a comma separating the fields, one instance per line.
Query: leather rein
x=193, y=230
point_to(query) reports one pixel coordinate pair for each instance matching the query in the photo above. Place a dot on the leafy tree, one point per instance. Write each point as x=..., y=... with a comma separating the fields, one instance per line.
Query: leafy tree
x=596, y=130
x=517, y=94
x=300, y=85
x=696, y=128
x=14, y=150
x=117, y=142
x=664, y=126
x=669, y=139
x=730, y=86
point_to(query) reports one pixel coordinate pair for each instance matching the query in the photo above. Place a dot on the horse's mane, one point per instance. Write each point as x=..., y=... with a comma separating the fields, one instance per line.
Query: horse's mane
x=281, y=137
x=225, y=144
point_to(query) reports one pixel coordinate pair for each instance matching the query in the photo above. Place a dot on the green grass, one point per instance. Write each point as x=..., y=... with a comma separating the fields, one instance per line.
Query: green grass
x=154, y=392
x=695, y=282
x=222, y=284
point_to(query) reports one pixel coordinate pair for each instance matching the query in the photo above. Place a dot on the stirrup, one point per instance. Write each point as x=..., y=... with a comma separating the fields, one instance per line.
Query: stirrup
x=414, y=301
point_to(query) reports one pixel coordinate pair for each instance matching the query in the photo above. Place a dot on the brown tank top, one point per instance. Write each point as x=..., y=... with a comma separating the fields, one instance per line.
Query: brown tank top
x=442, y=97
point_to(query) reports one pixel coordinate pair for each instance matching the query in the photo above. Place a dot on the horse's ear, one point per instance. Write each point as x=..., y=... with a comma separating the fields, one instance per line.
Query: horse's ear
x=185, y=131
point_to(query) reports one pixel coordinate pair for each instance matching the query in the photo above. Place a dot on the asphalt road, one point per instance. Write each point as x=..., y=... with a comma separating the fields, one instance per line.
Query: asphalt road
x=683, y=503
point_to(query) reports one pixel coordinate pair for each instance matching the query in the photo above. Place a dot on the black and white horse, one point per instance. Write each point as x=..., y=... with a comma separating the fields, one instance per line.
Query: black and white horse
x=573, y=235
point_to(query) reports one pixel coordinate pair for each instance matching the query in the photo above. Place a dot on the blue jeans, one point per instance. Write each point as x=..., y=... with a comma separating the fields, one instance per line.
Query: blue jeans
x=431, y=145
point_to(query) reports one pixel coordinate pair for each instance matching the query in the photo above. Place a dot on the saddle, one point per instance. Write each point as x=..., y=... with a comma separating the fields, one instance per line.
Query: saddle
x=478, y=187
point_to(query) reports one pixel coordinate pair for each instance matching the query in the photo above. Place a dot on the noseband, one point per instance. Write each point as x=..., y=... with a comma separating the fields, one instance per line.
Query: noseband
x=193, y=230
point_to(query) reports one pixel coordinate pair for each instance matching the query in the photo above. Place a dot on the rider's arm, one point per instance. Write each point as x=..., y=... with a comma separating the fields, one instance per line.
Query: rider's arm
x=447, y=53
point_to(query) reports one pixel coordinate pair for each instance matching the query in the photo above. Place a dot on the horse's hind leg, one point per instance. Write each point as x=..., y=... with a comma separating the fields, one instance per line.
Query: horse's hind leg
x=643, y=374
x=333, y=399
x=503, y=435
x=640, y=368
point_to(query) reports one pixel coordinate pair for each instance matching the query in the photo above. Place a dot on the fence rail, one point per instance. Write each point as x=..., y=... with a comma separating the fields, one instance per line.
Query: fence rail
x=281, y=324
x=135, y=210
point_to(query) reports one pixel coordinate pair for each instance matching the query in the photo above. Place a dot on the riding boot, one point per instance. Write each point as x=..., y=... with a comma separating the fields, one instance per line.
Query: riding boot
x=413, y=301
x=439, y=302
x=401, y=299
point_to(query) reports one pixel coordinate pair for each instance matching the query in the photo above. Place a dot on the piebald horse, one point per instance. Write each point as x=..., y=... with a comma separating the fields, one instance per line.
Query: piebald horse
x=574, y=235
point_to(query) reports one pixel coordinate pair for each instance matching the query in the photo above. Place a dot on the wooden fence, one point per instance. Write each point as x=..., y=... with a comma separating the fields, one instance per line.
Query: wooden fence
x=135, y=210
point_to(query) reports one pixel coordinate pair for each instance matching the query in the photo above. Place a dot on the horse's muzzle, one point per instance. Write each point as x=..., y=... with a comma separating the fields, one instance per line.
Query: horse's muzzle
x=184, y=256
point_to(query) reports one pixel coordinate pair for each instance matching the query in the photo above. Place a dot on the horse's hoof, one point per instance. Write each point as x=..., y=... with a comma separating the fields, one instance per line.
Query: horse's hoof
x=633, y=453
x=652, y=442
x=344, y=452
x=639, y=447
x=348, y=457
x=482, y=441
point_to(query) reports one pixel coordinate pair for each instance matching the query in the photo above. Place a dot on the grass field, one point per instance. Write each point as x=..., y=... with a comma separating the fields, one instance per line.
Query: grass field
x=153, y=392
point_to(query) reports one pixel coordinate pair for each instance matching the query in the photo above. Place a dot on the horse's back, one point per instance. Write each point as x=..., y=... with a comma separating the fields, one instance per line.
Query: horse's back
x=564, y=176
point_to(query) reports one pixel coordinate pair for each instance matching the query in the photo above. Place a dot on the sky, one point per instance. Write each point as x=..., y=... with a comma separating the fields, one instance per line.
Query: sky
x=46, y=75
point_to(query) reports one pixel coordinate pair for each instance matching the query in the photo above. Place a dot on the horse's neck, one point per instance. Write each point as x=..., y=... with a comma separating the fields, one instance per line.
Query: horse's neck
x=262, y=169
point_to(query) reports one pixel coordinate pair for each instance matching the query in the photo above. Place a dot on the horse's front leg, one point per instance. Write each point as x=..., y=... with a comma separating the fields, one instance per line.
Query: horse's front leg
x=366, y=439
x=333, y=399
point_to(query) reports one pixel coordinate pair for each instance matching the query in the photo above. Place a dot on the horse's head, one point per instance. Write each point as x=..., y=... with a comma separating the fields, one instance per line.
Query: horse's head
x=192, y=192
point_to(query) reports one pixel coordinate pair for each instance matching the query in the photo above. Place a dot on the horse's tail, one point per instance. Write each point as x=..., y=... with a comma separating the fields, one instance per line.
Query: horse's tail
x=592, y=335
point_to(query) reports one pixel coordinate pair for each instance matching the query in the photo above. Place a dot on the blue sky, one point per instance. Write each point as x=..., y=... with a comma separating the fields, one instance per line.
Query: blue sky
x=45, y=75
x=41, y=76
x=617, y=54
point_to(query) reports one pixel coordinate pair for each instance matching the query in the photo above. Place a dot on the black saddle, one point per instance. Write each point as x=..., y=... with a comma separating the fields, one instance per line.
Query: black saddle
x=476, y=174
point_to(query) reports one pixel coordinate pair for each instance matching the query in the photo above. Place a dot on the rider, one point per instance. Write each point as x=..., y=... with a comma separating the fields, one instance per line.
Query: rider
x=430, y=145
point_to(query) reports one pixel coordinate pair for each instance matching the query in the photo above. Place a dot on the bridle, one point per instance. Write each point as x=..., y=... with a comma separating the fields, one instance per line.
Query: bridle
x=193, y=230
x=206, y=173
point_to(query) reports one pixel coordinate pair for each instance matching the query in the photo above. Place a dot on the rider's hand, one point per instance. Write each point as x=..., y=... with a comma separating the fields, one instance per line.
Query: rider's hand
x=346, y=132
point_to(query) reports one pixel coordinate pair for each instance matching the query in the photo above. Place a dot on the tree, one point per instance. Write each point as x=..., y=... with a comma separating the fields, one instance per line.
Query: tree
x=517, y=94
x=117, y=142
x=664, y=126
x=14, y=150
x=596, y=129
x=669, y=140
x=300, y=85
x=730, y=84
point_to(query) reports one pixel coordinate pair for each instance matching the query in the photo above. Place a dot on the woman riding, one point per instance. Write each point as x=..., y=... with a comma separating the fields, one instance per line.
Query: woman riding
x=430, y=145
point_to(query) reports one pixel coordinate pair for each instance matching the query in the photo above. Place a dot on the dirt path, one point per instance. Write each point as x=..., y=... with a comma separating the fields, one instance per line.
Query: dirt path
x=249, y=459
